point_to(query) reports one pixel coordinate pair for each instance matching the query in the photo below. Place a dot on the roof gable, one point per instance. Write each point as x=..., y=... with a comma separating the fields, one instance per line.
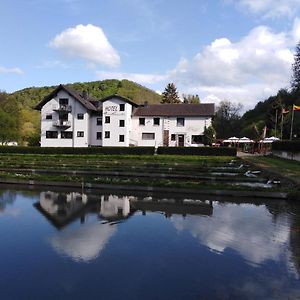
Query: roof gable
x=121, y=98
x=79, y=97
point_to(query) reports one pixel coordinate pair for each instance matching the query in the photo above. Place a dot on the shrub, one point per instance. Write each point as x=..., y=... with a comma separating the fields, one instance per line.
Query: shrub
x=213, y=151
x=291, y=146
x=67, y=150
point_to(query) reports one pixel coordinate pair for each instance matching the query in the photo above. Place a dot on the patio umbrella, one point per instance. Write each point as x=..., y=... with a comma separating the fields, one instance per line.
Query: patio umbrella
x=231, y=140
x=245, y=140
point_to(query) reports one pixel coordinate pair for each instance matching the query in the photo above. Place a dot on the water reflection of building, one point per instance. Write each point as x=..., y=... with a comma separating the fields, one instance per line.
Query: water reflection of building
x=171, y=207
x=113, y=208
x=61, y=208
x=85, y=240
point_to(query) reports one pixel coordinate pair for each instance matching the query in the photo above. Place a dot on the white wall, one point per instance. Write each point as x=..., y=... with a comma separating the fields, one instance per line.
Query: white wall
x=149, y=127
x=94, y=128
x=111, y=108
x=76, y=125
x=192, y=126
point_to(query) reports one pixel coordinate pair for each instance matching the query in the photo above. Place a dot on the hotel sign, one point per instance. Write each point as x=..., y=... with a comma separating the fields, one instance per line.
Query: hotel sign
x=111, y=108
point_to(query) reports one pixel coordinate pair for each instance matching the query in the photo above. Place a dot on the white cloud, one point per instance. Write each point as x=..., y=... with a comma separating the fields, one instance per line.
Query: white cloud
x=137, y=77
x=49, y=64
x=84, y=243
x=270, y=8
x=88, y=42
x=231, y=227
x=245, y=71
x=17, y=71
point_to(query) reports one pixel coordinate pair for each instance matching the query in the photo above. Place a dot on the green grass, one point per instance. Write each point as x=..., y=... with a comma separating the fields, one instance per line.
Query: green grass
x=283, y=167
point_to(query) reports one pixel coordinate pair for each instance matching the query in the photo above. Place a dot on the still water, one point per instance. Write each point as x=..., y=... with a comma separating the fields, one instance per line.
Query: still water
x=108, y=245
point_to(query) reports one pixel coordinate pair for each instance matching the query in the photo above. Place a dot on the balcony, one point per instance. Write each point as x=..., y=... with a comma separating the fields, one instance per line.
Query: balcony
x=63, y=108
x=61, y=123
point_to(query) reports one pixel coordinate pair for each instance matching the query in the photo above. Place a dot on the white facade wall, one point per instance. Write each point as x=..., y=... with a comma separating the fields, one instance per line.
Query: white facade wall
x=149, y=127
x=94, y=128
x=192, y=126
x=75, y=124
x=111, y=109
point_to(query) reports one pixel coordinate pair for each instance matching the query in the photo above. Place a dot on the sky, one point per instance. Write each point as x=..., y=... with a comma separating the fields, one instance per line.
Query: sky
x=236, y=50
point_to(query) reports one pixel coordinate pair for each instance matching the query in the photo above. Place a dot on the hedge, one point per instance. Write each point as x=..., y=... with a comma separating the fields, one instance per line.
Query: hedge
x=209, y=151
x=69, y=150
x=290, y=146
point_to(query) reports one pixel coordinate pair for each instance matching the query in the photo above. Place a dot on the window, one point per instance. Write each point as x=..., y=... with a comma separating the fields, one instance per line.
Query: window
x=80, y=133
x=107, y=119
x=156, y=121
x=107, y=134
x=99, y=121
x=122, y=107
x=121, y=138
x=122, y=123
x=49, y=117
x=173, y=137
x=66, y=135
x=180, y=121
x=80, y=116
x=63, y=101
x=142, y=121
x=99, y=135
x=63, y=117
x=148, y=136
x=51, y=134
x=197, y=139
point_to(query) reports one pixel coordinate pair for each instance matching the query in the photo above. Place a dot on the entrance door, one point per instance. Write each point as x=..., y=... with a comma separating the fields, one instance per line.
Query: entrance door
x=180, y=140
x=166, y=138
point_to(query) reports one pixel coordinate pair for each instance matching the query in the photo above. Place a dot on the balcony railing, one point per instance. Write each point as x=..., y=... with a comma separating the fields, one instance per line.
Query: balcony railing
x=63, y=108
x=61, y=123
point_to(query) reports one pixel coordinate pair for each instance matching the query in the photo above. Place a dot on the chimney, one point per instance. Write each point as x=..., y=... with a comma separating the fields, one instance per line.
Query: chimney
x=145, y=103
x=85, y=94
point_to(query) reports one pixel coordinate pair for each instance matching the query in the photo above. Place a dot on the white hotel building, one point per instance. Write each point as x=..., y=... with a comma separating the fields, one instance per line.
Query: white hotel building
x=72, y=119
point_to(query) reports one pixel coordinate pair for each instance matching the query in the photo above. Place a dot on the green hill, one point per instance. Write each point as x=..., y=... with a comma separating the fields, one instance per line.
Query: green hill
x=21, y=103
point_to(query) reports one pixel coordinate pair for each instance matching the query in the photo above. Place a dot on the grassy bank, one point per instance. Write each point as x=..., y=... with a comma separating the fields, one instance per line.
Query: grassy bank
x=283, y=168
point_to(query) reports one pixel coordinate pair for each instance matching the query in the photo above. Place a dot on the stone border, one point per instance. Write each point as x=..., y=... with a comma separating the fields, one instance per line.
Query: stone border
x=83, y=186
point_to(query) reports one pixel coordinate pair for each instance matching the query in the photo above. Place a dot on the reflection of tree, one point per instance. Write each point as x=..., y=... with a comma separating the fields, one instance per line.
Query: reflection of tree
x=6, y=198
x=295, y=235
x=292, y=210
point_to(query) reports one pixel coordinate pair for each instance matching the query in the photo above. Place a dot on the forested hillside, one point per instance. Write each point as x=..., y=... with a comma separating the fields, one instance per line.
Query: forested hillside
x=19, y=121
x=269, y=113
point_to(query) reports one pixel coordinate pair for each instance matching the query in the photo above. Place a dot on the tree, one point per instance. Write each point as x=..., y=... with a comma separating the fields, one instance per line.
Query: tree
x=170, y=94
x=295, y=81
x=227, y=119
x=191, y=99
x=209, y=135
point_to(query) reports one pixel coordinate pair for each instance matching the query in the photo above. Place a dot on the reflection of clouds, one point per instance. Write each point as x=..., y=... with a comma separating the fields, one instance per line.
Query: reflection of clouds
x=13, y=212
x=265, y=287
x=247, y=229
x=84, y=243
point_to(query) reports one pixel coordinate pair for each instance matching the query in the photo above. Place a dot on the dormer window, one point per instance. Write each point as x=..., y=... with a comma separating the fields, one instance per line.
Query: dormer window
x=63, y=101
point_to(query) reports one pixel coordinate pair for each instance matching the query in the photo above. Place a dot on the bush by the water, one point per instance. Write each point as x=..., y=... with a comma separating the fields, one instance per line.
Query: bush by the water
x=213, y=151
x=290, y=146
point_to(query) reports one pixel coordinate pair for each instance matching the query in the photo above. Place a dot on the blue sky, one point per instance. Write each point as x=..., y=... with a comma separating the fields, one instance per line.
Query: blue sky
x=238, y=50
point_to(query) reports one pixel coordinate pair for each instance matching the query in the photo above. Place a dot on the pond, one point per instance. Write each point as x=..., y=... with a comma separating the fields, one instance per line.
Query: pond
x=67, y=244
